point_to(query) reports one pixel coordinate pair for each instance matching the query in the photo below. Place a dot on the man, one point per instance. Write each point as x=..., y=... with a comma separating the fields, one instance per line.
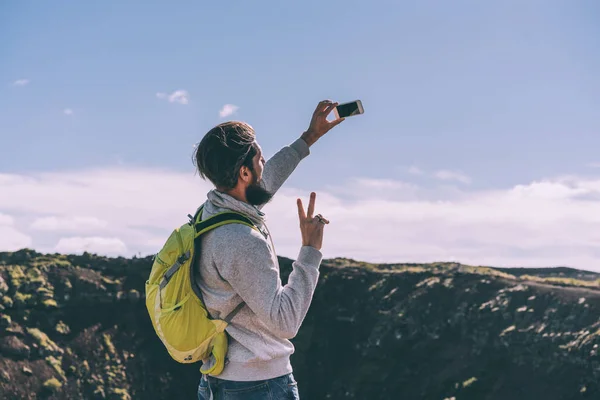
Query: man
x=238, y=264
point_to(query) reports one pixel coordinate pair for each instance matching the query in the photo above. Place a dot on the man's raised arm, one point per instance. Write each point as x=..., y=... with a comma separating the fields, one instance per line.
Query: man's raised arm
x=279, y=167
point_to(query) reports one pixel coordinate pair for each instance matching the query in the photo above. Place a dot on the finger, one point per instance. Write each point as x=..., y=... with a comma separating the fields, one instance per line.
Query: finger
x=336, y=122
x=319, y=107
x=330, y=107
x=325, y=220
x=324, y=105
x=311, y=205
x=301, y=213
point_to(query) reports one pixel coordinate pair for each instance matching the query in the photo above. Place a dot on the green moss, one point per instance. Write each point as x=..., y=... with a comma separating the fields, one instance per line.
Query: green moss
x=469, y=382
x=52, y=384
x=410, y=270
x=50, y=303
x=3, y=285
x=86, y=366
x=109, y=344
x=377, y=285
x=43, y=340
x=468, y=269
x=121, y=394
x=56, y=364
x=63, y=328
x=45, y=293
x=38, y=335
x=99, y=392
x=22, y=299
x=34, y=275
x=7, y=301
x=61, y=263
x=16, y=274
x=562, y=281
x=111, y=282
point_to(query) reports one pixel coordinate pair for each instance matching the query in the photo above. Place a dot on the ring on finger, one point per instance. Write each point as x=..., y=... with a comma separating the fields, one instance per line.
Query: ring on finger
x=320, y=218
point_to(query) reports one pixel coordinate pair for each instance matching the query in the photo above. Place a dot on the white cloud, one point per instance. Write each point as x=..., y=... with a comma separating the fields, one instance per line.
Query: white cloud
x=227, y=110
x=6, y=220
x=366, y=188
x=543, y=223
x=447, y=175
x=68, y=111
x=94, y=244
x=594, y=165
x=11, y=239
x=68, y=223
x=21, y=82
x=178, y=96
x=443, y=174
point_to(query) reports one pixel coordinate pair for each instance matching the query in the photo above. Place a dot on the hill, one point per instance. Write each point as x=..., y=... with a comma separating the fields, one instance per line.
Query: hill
x=75, y=326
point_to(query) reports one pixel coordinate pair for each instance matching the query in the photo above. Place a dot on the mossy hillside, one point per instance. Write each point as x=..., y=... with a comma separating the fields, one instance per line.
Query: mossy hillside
x=377, y=331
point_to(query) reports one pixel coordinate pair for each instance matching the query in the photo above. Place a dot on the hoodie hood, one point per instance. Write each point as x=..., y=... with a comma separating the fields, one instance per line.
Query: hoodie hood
x=223, y=200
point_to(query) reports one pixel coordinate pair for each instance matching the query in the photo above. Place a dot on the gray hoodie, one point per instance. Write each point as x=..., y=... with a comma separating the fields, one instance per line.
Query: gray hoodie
x=236, y=263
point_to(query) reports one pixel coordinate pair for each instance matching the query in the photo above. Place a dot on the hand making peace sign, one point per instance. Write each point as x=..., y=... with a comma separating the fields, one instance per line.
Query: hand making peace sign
x=311, y=227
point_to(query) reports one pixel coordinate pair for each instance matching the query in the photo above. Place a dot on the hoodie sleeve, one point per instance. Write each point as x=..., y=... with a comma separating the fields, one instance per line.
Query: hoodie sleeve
x=281, y=165
x=251, y=270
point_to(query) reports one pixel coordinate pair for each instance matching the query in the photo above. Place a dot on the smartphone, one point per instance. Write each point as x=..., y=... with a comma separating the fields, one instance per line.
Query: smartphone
x=348, y=109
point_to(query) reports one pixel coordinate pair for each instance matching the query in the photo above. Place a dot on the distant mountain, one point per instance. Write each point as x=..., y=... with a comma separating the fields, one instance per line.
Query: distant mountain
x=76, y=327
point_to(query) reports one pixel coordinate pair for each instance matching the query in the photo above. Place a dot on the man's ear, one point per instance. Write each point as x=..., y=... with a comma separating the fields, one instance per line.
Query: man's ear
x=245, y=174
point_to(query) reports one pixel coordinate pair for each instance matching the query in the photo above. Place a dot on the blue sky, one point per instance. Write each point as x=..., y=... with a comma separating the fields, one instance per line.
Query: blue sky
x=463, y=101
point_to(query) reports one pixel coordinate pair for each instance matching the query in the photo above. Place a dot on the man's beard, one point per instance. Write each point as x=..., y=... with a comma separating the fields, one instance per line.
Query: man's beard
x=255, y=194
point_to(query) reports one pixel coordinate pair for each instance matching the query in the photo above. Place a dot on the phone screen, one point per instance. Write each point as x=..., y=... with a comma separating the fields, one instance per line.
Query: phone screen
x=348, y=109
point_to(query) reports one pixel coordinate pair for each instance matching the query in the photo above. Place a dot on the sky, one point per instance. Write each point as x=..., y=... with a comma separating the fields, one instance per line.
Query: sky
x=479, y=142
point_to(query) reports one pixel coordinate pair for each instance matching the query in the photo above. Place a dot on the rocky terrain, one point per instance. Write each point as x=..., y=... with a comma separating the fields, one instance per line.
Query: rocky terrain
x=76, y=327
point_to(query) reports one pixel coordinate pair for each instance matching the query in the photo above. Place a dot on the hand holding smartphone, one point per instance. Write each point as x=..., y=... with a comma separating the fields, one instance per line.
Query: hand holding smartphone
x=319, y=125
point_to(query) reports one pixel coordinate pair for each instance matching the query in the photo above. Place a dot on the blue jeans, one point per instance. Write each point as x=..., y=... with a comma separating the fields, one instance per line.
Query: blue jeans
x=282, y=388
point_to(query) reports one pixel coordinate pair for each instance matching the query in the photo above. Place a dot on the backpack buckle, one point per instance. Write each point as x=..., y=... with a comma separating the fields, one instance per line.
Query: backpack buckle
x=183, y=258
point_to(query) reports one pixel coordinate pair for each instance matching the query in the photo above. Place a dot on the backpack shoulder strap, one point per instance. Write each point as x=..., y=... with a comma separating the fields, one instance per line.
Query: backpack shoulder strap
x=232, y=314
x=212, y=222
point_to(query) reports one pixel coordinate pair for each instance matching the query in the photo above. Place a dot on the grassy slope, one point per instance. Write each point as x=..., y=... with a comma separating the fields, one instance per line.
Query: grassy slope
x=77, y=327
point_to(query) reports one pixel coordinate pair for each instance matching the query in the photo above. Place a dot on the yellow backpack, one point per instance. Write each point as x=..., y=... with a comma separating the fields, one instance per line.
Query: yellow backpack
x=174, y=301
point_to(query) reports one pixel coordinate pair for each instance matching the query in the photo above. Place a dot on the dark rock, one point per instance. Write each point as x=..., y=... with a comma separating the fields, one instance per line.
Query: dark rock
x=4, y=376
x=12, y=346
x=15, y=329
x=5, y=321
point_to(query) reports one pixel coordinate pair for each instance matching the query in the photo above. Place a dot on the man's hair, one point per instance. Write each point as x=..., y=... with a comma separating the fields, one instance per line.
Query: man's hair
x=223, y=151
